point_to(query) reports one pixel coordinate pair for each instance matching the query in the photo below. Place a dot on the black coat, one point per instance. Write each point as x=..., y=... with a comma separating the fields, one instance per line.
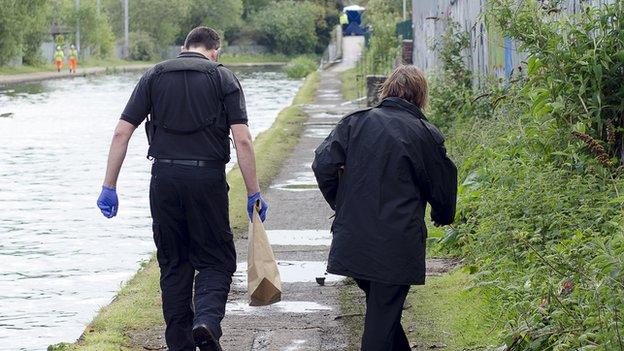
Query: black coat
x=394, y=163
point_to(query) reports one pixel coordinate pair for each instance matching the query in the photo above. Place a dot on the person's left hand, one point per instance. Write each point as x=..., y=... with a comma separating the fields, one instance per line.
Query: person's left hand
x=251, y=202
x=108, y=202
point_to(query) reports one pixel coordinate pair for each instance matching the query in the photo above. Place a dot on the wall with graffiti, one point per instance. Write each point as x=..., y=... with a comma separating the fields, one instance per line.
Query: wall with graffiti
x=490, y=53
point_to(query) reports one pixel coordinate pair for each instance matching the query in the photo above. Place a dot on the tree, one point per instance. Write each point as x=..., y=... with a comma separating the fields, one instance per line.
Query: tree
x=95, y=30
x=290, y=27
x=162, y=19
x=23, y=26
x=222, y=15
x=252, y=6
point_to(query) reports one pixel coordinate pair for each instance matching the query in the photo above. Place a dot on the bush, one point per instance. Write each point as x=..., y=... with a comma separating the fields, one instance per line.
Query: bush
x=300, y=67
x=142, y=47
x=575, y=66
x=540, y=221
x=289, y=26
x=381, y=16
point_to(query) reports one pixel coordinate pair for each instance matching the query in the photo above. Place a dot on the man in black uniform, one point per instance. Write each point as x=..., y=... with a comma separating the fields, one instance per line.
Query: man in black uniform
x=193, y=102
x=378, y=169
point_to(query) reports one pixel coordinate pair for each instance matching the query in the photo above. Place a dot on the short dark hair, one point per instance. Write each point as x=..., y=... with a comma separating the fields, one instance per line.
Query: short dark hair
x=203, y=36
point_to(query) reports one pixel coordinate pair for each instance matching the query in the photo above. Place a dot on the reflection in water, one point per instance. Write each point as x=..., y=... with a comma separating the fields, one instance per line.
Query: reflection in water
x=60, y=259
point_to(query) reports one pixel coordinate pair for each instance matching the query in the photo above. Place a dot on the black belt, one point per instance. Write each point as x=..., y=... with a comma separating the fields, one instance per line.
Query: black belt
x=197, y=163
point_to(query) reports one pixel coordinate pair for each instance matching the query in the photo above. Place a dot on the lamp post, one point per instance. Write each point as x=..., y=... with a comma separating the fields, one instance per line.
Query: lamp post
x=78, y=25
x=126, y=47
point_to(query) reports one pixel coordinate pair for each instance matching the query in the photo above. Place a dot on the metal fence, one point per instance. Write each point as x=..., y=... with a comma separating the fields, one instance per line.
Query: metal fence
x=490, y=53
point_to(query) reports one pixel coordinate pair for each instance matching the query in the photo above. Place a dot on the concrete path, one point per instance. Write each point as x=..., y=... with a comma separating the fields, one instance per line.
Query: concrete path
x=298, y=227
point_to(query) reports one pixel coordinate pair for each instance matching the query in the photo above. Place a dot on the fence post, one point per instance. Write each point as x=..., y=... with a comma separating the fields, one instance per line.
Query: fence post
x=373, y=85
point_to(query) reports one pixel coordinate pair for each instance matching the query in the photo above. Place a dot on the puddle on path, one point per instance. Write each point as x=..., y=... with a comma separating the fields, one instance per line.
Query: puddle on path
x=295, y=345
x=326, y=115
x=241, y=307
x=319, y=132
x=291, y=272
x=300, y=237
x=303, y=181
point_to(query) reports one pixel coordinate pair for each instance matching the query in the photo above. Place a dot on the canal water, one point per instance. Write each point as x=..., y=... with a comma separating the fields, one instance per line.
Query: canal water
x=60, y=259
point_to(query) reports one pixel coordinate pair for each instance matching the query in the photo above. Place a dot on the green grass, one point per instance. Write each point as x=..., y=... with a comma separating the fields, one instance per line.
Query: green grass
x=112, y=63
x=447, y=312
x=137, y=307
x=353, y=86
x=443, y=313
x=263, y=58
x=49, y=67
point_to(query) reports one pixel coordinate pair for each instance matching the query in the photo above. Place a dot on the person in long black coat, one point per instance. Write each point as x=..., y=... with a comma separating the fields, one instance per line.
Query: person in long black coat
x=378, y=169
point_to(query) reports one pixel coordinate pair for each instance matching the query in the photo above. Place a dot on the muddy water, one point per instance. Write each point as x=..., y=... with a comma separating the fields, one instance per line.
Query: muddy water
x=60, y=259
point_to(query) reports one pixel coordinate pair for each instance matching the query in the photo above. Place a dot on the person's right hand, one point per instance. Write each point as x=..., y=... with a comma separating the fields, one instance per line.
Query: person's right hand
x=108, y=202
x=251, y=203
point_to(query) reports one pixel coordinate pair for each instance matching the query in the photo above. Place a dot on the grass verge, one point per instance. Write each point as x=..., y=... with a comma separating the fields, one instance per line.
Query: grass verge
x=442, y=314
x=113, y=63
x=137, y=307
x=49, y=67
x=263, y=58
x=353, y=86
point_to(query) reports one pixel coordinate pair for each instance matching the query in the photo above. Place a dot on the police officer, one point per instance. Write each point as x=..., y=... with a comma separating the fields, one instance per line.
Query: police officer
x=192, y=102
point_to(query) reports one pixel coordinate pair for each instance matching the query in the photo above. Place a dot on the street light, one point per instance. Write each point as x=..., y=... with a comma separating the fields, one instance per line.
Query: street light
x=126, y=47
x=78, y=25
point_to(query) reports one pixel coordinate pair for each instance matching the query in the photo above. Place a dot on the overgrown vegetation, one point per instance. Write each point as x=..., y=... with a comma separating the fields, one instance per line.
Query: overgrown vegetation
x=382, y=51
x=540, y=215
x=301, y=66
x=287, y=27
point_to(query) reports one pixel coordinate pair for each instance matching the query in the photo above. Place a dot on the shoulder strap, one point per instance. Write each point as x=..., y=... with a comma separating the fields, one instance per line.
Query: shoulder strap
x=187, y=64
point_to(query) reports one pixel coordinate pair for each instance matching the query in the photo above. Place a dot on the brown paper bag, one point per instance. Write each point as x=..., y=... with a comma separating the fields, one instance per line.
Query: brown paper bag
x=263, y=278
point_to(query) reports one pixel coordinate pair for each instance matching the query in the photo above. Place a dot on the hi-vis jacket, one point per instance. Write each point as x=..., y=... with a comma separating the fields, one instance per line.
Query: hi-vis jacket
x=378, y=169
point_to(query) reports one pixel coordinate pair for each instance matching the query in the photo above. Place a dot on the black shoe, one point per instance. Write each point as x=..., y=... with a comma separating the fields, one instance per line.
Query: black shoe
x=204, y=339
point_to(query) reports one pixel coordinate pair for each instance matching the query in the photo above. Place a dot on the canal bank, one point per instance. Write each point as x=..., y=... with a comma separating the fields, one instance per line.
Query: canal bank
x=29, y=77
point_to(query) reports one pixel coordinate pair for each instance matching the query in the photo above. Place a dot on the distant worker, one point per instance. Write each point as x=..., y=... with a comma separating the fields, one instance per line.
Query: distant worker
x=194, y=103
x=378, y=169
x=73, y=59
x=59, y=55
x=344, y=20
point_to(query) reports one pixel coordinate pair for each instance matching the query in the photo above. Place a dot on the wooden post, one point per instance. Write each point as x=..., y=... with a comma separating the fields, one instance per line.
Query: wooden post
x=373, y=86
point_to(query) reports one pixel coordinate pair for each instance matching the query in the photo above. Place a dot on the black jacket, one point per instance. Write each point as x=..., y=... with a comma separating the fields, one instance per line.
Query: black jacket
x=394, y=163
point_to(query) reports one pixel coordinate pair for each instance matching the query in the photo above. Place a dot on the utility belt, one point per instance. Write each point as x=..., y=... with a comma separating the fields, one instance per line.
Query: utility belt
x=197, y=163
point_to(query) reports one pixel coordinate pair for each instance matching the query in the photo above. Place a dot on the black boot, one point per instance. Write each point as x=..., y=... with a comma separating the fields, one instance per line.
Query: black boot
x=204, y=339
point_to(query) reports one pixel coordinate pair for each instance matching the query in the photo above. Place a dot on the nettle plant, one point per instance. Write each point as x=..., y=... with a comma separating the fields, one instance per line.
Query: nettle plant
x=575, y=67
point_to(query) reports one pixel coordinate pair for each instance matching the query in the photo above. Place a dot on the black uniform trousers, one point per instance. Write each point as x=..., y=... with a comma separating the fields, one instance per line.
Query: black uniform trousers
x=192, y=233
x=382, y=324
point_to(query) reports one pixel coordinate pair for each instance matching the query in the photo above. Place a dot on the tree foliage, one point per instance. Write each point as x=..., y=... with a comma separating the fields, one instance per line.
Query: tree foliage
x=224, y=16
x=290, y=26
x=95, y=30
x=23, y=25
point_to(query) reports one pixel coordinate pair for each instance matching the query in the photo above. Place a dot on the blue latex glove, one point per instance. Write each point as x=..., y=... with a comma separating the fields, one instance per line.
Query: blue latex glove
x=108, y=202
x=251, y=201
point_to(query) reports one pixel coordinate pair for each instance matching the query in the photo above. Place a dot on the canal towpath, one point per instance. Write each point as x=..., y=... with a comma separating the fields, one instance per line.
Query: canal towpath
x=10, y=79
x=20, y=78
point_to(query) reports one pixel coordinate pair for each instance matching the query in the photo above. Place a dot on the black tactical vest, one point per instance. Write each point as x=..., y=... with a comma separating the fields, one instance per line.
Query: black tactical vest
x=185, y=124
